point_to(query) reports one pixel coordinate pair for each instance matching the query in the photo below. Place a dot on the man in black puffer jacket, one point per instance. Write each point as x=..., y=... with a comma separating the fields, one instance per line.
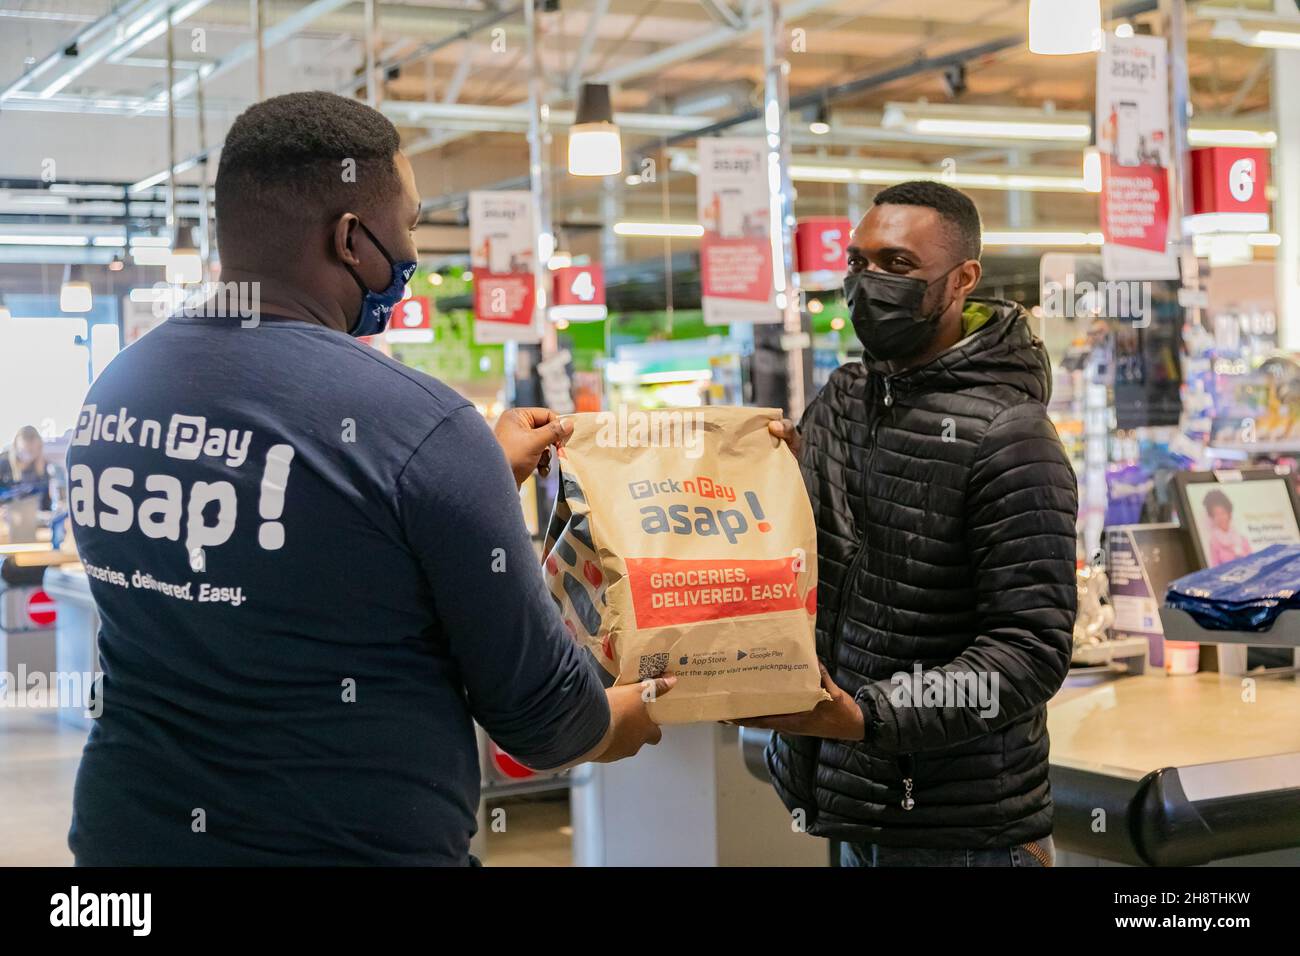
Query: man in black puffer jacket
x=945, y=510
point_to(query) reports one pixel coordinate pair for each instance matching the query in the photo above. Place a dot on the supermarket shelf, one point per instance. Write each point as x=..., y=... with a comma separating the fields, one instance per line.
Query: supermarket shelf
x=1181, y=626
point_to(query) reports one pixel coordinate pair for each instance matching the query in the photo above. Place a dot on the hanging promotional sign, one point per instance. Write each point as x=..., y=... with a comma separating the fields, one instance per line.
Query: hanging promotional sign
x=1133, y=139
x=736, y=251
x=502, y=248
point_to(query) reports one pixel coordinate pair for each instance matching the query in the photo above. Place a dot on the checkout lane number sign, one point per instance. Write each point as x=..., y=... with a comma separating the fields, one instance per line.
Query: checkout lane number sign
x=40, y=609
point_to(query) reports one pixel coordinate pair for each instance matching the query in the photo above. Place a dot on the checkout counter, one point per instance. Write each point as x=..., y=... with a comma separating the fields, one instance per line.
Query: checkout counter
x=1176, y=771
x=1149, y=769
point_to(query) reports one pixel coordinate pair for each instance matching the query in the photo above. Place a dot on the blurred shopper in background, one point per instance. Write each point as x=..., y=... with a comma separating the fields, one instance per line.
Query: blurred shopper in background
x=945, y=509
x=310, y=561
x=24, y=463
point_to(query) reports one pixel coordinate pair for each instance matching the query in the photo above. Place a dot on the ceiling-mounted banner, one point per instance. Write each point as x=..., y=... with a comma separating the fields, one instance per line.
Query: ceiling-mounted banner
x=736, y=252
x=1133, y=139
x=502, y=247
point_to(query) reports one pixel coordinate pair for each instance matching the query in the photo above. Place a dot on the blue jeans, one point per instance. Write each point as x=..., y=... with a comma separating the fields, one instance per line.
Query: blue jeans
x=870, y=854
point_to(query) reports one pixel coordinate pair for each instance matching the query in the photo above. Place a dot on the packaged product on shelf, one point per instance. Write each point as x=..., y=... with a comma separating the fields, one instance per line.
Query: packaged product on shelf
x=682, y=543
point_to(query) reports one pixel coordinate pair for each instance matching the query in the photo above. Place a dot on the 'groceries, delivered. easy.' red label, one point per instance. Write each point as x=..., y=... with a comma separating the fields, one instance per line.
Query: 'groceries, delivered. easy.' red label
x=668, y=591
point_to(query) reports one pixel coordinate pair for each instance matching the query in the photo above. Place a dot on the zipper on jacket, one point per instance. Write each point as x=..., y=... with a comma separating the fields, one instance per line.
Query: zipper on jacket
x=862, y=548
x=907, y=766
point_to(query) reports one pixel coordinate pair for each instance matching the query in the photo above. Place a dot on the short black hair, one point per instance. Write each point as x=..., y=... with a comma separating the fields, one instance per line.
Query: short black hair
x=285, y=168
x=1217, y=499
x=953, y=205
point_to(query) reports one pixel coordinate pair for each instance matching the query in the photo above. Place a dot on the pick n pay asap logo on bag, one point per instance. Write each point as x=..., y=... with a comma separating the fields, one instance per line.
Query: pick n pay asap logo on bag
x=704, y=521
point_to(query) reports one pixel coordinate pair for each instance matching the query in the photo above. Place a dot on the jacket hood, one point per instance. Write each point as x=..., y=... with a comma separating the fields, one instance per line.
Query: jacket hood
x=1004, y=351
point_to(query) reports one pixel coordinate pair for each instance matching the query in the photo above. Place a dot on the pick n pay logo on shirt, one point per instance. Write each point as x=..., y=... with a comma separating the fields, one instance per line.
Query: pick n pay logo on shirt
x=102, y=500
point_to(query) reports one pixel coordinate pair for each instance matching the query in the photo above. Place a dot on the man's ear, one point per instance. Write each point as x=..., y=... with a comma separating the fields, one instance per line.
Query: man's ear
x=342, y=239
x=970, y=274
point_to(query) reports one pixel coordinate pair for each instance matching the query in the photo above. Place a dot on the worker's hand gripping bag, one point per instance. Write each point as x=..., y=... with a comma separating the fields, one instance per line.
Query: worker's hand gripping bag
x=682, y=542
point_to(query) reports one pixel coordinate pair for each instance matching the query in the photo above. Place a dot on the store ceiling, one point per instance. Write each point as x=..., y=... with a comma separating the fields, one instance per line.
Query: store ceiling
x=694, y=61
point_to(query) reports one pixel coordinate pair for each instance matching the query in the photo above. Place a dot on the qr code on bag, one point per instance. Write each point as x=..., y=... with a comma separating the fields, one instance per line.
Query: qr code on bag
x=652, y=665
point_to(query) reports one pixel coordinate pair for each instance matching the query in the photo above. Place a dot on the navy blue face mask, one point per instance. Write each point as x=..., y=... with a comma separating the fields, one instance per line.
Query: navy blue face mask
x=376, y=307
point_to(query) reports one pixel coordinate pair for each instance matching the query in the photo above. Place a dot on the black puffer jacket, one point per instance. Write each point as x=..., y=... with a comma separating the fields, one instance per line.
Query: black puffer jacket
x=945, y=510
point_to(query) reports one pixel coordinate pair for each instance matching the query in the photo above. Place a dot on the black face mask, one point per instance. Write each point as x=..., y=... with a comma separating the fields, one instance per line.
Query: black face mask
x=886, y=311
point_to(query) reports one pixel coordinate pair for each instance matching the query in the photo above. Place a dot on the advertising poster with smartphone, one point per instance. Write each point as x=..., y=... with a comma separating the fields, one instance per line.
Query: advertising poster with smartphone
x=736, y=251
x=502, y=246
x=1133, y=139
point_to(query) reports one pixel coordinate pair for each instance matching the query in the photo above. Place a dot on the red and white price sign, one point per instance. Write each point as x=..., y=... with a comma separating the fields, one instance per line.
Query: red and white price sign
x=412, y=320
x=578, y=293
x=1230, y=189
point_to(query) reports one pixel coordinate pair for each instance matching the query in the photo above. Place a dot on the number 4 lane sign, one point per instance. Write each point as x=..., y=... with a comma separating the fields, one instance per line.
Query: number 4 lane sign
x=578, y=293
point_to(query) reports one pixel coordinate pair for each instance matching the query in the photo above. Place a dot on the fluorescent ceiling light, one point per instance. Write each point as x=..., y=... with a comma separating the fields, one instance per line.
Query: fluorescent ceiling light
x=1064, y=27
x=12, y=240
x=994, y=124
x=1002, y=129
x=659, y=229
x=1267, y=37
x=151, y=255
x=1043, y=239
x=1260, y=138
x=882, y=176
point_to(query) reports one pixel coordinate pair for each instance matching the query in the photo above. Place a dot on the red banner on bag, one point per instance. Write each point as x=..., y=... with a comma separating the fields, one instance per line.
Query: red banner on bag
x=667, y=591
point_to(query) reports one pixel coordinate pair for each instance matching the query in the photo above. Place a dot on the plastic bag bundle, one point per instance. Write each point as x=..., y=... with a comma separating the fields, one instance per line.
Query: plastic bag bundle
x=1245, y=594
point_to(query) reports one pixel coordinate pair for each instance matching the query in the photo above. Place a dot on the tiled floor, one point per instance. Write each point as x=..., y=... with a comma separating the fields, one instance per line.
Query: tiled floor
x=38, y=764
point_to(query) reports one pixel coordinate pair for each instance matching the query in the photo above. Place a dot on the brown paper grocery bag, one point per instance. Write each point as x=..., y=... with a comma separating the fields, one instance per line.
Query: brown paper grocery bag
x=682, y=542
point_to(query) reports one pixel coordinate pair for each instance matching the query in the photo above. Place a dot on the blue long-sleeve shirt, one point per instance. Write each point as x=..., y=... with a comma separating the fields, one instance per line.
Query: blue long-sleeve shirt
x=312, y=572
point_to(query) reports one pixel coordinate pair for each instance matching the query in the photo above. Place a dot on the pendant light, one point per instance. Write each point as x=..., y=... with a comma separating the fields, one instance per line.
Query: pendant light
x=184, y=265
x=595, y=148
x=1063, y=27
x=821, y=124
x=74, y=293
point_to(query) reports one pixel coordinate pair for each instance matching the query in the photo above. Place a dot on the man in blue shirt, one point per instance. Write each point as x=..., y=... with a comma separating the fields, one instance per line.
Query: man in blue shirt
x=309, y=560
